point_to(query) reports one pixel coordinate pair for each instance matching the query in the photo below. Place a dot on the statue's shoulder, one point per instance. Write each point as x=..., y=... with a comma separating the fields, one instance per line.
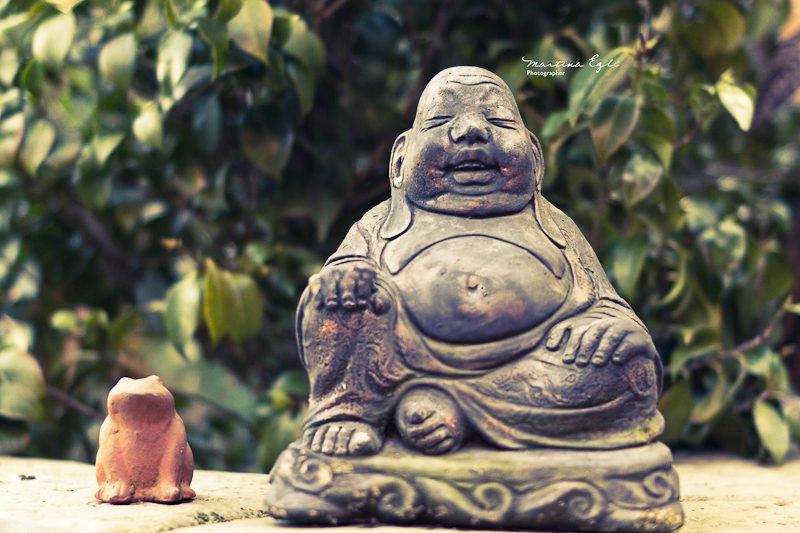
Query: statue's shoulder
x=373, y=220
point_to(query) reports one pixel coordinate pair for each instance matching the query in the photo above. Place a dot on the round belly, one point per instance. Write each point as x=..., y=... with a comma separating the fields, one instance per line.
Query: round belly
x=477, y=289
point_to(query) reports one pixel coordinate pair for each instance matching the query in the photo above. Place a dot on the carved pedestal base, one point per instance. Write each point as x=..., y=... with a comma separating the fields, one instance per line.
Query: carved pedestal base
x=632, y=489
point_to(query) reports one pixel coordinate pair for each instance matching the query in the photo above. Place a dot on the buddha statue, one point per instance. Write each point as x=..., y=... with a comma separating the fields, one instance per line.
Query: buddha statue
x=468, y=312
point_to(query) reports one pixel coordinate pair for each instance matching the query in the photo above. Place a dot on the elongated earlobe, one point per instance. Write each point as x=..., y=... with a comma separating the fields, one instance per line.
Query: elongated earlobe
x=537, y=154
x=540, y=206
x=399, y=217
x=396, y=161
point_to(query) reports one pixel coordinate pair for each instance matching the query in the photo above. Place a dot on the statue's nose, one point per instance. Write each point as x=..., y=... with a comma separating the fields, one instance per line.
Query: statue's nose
x=469, y=129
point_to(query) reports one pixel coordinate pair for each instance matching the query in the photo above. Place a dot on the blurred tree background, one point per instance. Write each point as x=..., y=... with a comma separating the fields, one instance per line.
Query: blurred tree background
x=173, y=171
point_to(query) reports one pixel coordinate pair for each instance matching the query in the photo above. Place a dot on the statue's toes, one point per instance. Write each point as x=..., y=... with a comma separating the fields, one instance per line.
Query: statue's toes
x=364, y=440
x=343, y=438
x=438, y=437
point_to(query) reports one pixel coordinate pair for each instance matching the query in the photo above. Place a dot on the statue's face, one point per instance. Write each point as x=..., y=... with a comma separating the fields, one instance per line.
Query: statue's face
x=468, y=152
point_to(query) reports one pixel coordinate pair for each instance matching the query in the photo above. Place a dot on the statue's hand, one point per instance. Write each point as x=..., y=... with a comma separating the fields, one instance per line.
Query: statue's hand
x=349, y=286
x=598, y=337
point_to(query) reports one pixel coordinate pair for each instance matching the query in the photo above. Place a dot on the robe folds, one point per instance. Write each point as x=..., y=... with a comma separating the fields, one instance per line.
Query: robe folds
x=471, y=304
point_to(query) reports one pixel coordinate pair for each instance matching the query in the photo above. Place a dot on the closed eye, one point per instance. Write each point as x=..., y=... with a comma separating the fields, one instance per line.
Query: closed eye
x=509, y=123
x=436, y=121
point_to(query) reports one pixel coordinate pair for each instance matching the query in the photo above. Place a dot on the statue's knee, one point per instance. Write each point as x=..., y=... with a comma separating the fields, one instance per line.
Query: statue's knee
x=642, y=377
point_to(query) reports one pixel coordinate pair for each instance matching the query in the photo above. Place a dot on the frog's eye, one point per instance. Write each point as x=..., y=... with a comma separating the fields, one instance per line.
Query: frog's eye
x=434, y=122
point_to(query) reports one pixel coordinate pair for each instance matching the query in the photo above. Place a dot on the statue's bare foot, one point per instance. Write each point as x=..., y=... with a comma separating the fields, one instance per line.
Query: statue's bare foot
x=343, y=437
x=429, y=420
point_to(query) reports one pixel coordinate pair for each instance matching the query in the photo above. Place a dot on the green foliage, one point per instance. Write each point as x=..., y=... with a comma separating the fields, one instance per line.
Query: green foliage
x=172, y=171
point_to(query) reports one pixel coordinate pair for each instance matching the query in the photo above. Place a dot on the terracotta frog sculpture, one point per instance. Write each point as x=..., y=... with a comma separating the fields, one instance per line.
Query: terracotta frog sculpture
x=143, y=454
x=468, y=306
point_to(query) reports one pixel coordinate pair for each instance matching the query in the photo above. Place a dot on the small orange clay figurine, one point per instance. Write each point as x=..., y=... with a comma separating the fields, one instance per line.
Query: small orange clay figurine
x=143, y=453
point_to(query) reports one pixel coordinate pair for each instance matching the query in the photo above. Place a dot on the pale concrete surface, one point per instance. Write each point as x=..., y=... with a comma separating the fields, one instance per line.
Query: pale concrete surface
x=61, y=500
x=720, y=494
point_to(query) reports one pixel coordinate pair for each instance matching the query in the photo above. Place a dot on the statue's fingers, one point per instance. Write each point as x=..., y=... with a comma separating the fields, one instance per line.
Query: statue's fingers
x=589, y=344
x=347, y=285
x=573, y=345
x=330, y=290
x=433, y=439
x=329, y=444
x=381, y=302
x=556, y=336
x=632, y=345
x=608, y=345
x=363, y=288
x=314, y=287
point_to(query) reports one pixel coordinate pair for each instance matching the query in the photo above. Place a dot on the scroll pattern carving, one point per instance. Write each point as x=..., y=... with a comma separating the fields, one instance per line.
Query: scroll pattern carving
x=355, y=490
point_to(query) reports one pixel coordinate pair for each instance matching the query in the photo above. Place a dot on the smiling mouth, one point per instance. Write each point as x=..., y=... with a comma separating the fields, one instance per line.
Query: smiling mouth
x=472, y=165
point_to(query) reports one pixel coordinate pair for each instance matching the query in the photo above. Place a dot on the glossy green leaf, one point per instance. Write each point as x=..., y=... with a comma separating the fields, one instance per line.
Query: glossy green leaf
x=659, y=146
x=790, y=407
x=65, y=6
x=9, y=65
x=173, y=58
x=117, y=60
x=612, y=124
x=680, y=283
x=9, y=252
x=12, y=130
x=27, y=282
x=207, y=122
x=248, y=310
x=554, y=123
x=589, y=87
x=32, y=78
x=290, y=387
x=655, y=121
x=232, y=304
x=282, y=428
x=267, y=138
x=104, y=144
x=53, y=39
x=676, y=406
x=305, y=46
x=737, y=102
x=640, y=177
x=772, y=429
x=182, y=311
x=627, y=263
x=251, y=28
x=22, y=385
x=715, y=400
x=38, y=141
x=228, y=9
x=720, y=32
x=303, y=83
x=704, y=341
x=148, y=128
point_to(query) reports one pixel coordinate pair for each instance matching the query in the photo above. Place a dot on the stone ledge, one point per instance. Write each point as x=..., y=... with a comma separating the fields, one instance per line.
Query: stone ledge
x=719, y=493
x=58, y=497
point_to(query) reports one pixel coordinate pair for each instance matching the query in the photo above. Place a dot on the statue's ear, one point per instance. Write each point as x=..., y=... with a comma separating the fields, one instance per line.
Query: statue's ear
x=399, y=218
x=396, y=161
x=537, y=154
x=540, y=207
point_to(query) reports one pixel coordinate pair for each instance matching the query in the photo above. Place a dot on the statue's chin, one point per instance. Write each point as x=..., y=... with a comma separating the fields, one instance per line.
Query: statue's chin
x=474, y=203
